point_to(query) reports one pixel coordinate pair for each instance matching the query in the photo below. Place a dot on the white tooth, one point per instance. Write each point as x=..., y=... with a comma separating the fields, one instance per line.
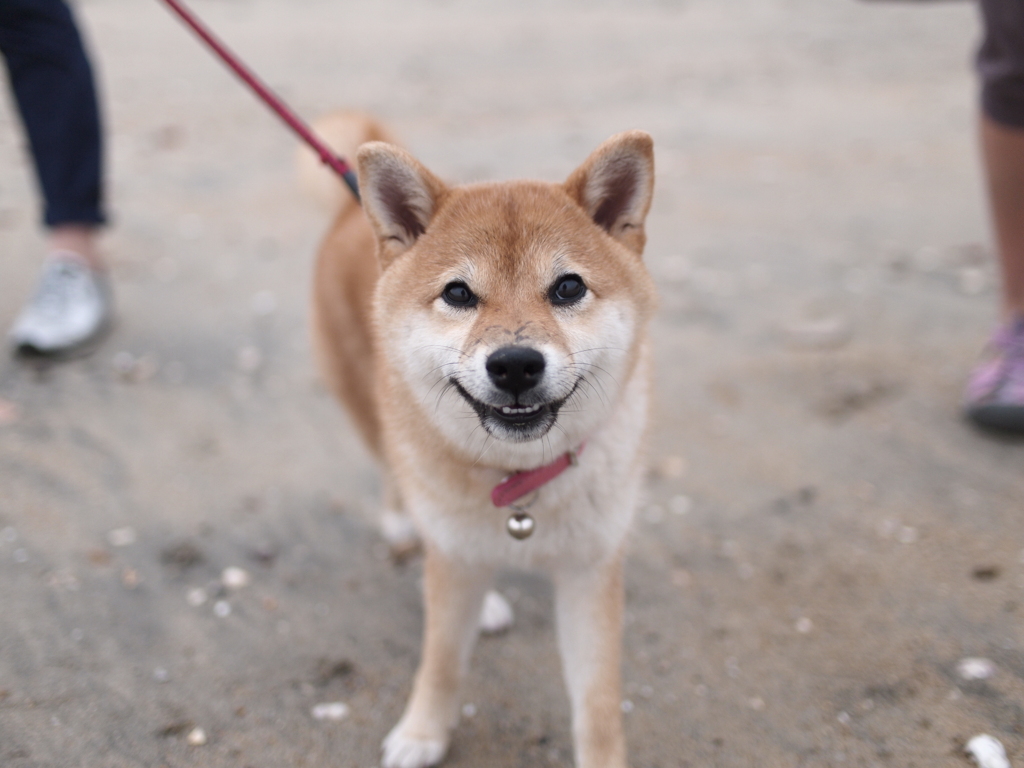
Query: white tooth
x=506, y=409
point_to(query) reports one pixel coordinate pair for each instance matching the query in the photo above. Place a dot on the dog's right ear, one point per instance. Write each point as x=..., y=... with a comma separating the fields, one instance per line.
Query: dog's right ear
x=399, y=195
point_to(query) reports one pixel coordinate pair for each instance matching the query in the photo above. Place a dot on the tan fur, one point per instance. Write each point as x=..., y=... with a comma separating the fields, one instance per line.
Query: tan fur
x=342, y=131
x=391, y=346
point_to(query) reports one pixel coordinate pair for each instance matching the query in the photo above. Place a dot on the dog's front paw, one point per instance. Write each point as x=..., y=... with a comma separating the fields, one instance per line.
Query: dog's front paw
x=401, y=534
x=403, y=750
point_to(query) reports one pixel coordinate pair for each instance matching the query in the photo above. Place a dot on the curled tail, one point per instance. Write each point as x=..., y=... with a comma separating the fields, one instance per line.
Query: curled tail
x=344, y=132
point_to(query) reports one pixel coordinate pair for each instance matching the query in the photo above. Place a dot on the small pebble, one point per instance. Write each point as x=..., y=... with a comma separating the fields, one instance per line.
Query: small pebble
x=123, y=363
x=121, y=537
x=680, y=505
x=222, y=609
x=681, y=577
x=196, y=597
x=975, y=668
x=906, y=535
x=134, y=369
x=196, y=737
x=818, y=333
x=182, y=555
x=99, y=557
x=671, y=467
x=130, y=578
x=732, y=667
x=972, y=281
x=986, y=572
x=469, y=710
x=63, y=579
x=844, y=718
x=330, y=710
x=804, y=625
x=146, y=367
x=235, y=578
x=987, y=752
x=8, y=412
x=756, y=704
x=161, y=675
x=627, y=706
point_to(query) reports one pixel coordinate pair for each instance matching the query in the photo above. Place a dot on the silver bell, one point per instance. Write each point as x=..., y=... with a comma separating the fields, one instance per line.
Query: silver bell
x=520, y=525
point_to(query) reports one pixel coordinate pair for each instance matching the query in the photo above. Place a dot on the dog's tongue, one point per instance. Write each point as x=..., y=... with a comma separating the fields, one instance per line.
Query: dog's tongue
x=521, y=483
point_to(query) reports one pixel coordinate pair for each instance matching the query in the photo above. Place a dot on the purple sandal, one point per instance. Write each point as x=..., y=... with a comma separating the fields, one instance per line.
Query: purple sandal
x=995, y=392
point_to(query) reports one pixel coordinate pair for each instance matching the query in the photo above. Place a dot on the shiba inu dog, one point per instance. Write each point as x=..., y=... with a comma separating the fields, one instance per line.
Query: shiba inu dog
x=490, y=342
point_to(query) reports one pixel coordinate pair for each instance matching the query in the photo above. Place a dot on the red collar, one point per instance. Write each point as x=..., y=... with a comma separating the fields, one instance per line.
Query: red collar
x=519, y=484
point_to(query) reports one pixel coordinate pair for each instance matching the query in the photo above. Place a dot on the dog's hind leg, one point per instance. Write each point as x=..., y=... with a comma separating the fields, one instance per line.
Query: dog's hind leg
x=454, y=593
x=403, y=538
x=588, y=604
x=396, y=524
x=496, y=615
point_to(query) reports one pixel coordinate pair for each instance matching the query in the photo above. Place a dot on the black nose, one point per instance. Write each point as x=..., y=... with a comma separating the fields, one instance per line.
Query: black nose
x=515, y=369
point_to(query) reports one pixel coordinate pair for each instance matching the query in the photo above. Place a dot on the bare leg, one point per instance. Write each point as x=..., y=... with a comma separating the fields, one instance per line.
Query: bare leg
x=79, y=239
x=1003, y=154
x=589, y=609
x=453, y=595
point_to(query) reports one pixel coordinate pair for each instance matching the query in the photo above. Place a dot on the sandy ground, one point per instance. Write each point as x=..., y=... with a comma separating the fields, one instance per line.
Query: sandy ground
x=824, y=538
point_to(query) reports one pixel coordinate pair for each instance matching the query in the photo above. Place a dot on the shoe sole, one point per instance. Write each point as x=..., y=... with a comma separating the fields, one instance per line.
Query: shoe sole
x=999, y=418
x=81, y=349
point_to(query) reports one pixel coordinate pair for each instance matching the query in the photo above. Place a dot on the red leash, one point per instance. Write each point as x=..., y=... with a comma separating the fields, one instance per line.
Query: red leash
x=328, y=157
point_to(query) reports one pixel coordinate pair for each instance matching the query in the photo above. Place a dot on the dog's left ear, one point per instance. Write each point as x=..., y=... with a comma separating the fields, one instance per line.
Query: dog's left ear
x=614, y=186
x=399, y=196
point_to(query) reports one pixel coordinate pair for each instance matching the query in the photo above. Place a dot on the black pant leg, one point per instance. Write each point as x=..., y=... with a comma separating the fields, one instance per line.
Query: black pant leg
x=52, y=82
x=1001, y=61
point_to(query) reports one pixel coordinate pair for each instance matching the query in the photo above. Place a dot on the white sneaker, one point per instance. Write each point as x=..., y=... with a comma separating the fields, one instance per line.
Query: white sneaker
x=71, y=307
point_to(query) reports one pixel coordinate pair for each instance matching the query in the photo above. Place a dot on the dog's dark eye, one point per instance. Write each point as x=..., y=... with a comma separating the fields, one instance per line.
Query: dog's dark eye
x=567, y=289
x=458, y=295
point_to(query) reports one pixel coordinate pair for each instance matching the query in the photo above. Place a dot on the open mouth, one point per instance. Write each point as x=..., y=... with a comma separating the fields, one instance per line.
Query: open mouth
x=520, y=415
x=524, y=422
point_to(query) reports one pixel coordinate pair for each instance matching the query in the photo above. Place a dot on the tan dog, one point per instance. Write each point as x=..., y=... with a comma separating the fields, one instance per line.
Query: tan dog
x=476, y=332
